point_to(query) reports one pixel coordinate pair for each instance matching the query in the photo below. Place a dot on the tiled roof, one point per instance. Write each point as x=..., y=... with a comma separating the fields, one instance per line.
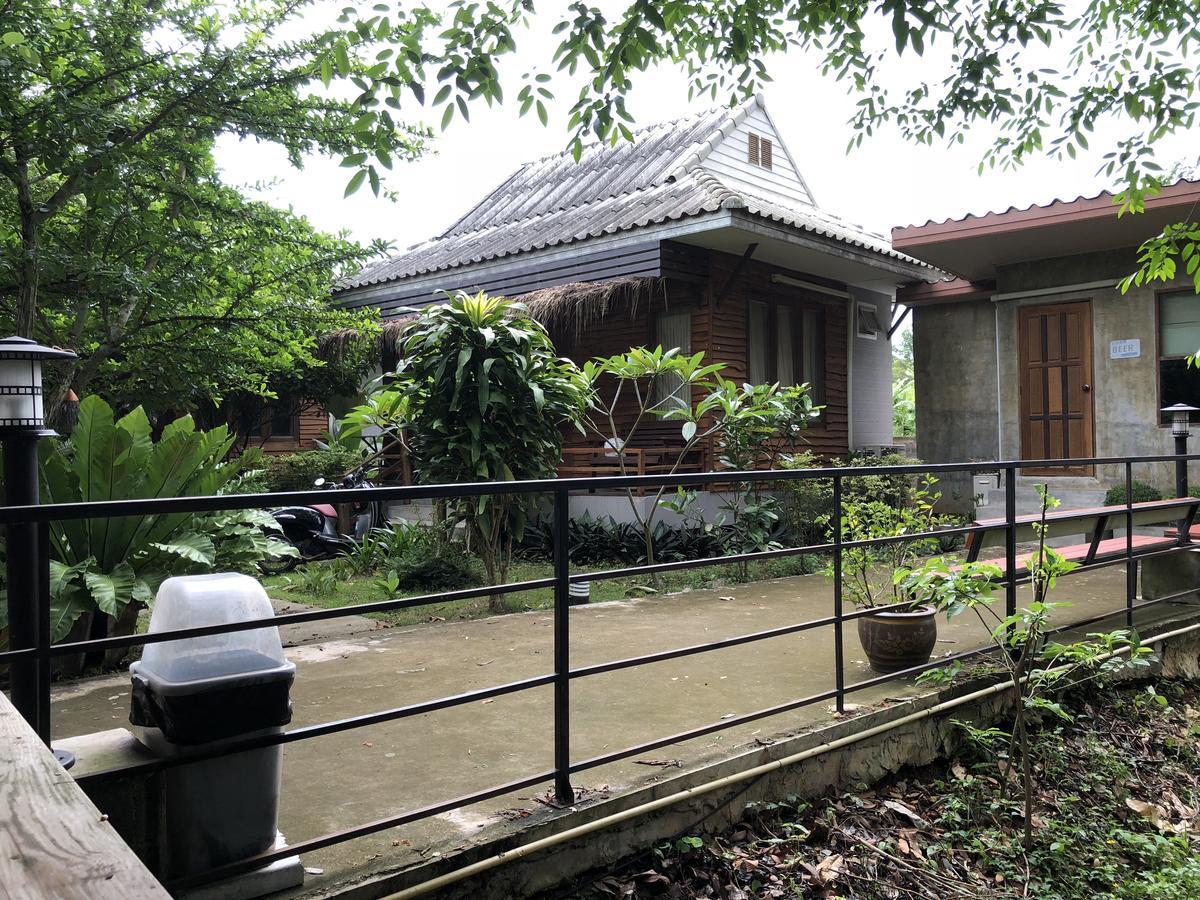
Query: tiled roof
x=654, y=179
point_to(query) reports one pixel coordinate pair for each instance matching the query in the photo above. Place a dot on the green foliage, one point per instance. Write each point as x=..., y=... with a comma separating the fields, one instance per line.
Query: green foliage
x=114, y=566
x=875, y=575
x=121, y=239
x=809, y=502
x=904, y=394
x=298, y=471
x=1040, y=670
x=752, y=424
x=603, y=540
x=480, y=396
x=1142, y=493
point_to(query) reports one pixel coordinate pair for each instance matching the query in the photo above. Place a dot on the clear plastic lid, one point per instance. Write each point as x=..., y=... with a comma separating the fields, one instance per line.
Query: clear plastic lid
x=193, y=601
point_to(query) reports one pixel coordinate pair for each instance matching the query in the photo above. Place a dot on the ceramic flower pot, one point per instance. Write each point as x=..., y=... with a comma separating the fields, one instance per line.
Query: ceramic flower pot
x=896, y=640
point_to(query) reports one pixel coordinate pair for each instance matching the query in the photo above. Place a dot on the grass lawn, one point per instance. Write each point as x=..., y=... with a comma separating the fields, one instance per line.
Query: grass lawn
x=328, y=585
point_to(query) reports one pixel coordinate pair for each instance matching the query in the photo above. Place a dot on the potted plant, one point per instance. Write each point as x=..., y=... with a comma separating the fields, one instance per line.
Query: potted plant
x=903, y=632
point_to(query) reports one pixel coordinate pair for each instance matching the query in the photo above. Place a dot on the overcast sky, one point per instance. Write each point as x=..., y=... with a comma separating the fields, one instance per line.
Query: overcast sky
x=886, y=183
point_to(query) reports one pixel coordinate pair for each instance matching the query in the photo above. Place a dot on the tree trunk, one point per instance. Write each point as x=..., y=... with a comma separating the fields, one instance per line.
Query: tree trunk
x=27, y=284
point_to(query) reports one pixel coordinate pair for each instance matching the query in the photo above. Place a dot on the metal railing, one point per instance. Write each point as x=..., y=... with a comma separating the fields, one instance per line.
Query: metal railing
x=30, y=657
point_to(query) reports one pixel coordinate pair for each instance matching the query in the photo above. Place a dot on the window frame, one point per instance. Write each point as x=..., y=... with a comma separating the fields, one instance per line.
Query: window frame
x=798, y=307
x=271, y=412
x=1159, y=358
x=874, y=311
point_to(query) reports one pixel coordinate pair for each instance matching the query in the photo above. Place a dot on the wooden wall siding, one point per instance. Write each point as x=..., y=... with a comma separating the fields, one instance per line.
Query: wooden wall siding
x=626, y=328
x=720, y=331
x=314, y=422
x=730, y=161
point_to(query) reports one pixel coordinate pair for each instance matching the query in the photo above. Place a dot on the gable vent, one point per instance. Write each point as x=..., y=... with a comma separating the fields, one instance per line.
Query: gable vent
x=759, y=151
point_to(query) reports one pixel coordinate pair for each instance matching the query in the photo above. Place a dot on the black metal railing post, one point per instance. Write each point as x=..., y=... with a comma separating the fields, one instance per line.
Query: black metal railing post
x=21, y=489
x=1131, y=571
x=1010, y=540
x=563, y=793
x=838, y=648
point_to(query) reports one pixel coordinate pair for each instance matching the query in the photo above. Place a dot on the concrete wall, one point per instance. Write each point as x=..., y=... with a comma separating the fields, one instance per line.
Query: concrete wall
x=964, y=412
x=954, y=352
x=871, y=377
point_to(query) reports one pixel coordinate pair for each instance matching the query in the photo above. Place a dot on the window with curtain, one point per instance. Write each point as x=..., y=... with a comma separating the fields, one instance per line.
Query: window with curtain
x=785, y=344
x=1178, y=338
x=672, y=329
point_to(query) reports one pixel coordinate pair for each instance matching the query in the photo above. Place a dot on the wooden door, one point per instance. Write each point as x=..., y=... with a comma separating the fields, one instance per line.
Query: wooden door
x=1055, y=347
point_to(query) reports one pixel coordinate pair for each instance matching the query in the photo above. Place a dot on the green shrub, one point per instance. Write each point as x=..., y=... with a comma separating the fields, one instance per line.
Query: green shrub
x=298, y=471
x=807, y=501
x=1142, y=493
x=604, y=540
x=112, y=567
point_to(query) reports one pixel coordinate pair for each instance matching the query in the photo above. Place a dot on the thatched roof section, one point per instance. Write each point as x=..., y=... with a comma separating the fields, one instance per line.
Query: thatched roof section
x=565, y=310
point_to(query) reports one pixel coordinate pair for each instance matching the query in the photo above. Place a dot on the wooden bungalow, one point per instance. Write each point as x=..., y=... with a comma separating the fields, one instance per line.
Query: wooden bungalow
x=701, y=234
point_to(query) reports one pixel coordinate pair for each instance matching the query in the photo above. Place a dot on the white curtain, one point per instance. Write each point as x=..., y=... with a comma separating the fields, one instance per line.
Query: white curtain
x=673, y=330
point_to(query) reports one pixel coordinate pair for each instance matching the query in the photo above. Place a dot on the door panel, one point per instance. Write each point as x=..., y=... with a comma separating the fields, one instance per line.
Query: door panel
x=1055, y=349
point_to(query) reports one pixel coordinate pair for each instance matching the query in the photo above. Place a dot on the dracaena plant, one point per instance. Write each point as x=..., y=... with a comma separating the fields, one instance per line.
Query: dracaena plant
x=113, y=566
x=480, y=395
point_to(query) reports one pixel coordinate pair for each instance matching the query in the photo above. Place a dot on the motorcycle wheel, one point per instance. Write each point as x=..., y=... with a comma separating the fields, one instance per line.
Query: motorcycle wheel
x=280, y=565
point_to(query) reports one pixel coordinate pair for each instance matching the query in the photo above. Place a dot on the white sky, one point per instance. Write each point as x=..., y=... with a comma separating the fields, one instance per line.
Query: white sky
x=887, y=182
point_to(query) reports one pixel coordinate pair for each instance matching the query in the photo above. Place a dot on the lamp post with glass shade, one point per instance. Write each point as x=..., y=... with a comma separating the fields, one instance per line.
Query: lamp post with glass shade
x=22, y=425
x=1181, y=416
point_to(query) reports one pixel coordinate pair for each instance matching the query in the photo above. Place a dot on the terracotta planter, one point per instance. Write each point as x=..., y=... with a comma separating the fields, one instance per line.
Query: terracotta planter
x=898, y=640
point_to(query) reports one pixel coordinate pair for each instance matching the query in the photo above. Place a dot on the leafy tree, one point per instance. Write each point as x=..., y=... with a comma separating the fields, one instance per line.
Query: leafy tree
x=111, y=206
x=178, y=293
x=481, y=396
x=1044, y=75
x=751, y=422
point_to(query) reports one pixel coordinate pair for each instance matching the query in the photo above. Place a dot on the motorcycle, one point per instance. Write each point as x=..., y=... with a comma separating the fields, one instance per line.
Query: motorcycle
x=313, y=530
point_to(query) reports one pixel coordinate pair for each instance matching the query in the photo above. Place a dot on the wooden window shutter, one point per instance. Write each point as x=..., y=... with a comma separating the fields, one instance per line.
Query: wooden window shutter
x=753, y=148
x=764, y=153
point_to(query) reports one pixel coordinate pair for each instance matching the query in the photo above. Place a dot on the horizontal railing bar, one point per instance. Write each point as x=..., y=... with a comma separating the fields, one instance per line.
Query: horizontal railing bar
x=17, y=654
x=349, y=834
x=691, y=650
x=811, y=549
x=324, y=729
x=164, y=505
x=721, y=725
x=517, y=587
x=315, y=615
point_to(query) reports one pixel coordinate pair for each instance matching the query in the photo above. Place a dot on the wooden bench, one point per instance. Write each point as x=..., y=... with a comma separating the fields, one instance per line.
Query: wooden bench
x=1093, y=522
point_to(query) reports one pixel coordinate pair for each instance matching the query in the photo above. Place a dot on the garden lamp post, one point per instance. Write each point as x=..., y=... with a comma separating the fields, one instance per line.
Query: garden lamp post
x=1181, y=415
x=22, y=425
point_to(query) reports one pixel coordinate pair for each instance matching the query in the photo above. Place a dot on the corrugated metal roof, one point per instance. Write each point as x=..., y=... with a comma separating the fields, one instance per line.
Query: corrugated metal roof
x=653, y=179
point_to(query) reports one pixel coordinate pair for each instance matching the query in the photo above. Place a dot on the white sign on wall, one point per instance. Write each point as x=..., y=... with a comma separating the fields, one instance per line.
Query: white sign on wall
x=1130, y=348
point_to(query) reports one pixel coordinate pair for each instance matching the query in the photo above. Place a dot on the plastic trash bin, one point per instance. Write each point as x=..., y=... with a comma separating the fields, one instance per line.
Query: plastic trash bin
x=198, y=694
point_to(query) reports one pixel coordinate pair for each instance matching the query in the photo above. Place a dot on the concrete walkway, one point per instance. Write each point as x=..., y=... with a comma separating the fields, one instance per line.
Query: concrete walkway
x=344, y=780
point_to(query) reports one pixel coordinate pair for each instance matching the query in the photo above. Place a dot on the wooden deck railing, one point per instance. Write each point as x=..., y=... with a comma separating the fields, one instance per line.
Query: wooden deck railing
x=53, y=840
